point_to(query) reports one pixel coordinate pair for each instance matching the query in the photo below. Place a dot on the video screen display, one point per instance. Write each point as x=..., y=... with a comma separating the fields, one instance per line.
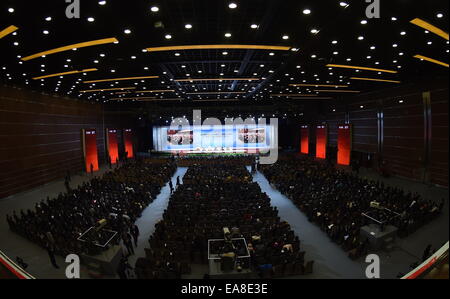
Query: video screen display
x=213, y=138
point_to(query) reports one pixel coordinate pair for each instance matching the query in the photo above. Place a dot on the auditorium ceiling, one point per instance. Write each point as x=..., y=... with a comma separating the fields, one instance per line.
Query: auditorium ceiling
x=241, y=51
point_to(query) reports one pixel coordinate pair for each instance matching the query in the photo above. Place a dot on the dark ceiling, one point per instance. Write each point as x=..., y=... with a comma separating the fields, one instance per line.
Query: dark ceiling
x=210, y=21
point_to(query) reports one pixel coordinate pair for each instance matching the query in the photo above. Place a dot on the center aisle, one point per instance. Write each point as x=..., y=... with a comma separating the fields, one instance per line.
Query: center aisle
x=152, y=214
x=330, y=261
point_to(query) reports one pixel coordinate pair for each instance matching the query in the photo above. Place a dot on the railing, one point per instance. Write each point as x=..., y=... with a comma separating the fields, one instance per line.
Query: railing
x=428, y=264
x=12, y=268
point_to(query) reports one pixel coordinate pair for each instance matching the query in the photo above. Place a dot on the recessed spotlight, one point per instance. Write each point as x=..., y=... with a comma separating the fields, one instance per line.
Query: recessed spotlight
x=306, y=11
x=254, y=26
x=177, y=54
x=394, y=19
x=429, y=43
x=232, y=5
x=168, y=36
x=343, y=4
x=91, y=19
x=313, y=56
x=224, y=53
x=45, y=32
x=188, y=26
x=11, y=10
x=403, y=33
x=395, y=45
x=15, y=43
x=334, y=42
x=48, y=19
x=439, y=15
x=227, y=34
x=372, y=48
x=314, y=31
x=154, y=8
x=133, y=57
x=285, y=37
x=360, y=37
x=127, y=31
x=364, y=22
x=102, y=55
x=271, y=54
x=102, y=2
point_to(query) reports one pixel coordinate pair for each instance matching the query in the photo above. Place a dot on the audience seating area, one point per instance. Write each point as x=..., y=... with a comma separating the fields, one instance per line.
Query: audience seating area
x=119, y=196
x=335, y=200
x=215, y=195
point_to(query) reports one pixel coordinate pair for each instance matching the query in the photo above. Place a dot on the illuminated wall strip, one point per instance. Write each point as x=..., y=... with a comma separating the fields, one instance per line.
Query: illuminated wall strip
x=430, y=27
x=65, y=73
x=431, y=60
x=217, y=79
x=121, y=79
x=318, y=85
x=361, y=68
x=70, y=47
x=373, y=79
x=333, y=90
x=8, y=30
x=209, y=47
x=107, y=89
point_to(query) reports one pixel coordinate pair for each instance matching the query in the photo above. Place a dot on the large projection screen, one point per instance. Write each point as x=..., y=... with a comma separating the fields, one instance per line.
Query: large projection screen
x=214, y=138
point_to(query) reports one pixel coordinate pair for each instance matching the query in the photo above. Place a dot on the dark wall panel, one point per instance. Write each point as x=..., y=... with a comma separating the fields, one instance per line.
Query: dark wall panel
x=40, y=137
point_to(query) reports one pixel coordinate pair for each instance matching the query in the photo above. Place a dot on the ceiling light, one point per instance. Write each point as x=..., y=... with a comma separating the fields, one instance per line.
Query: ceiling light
x=227, y=34
x=15, y=43
x=421, y=57
x=253, y=26
x=168, y=36
x=285, y=37
x=188, y=26
x=91, y=19
x=177, y=54
x=374, y=79
x=314, y=31
x=372, y=48
x=393, y=19
x=364, y=22
x=394, y=45
x=48, y=19
x=11, y=10
x=360, y=37
x=306, y=11
x=232, y=5
x=360, y=68
x=343, y=4
x=271, y=53
x=45, y=32
x=403, y=33
x=224, y=53
x=439, y=15
x=334, y=42
x=101, y=2
x=154, y=8
x=430, y=27
x=127, y=31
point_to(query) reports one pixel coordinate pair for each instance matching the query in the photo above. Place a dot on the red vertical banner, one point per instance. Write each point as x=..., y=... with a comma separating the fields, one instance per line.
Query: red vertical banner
x=344, y=144
x=128, y=141
x=113, y=148
x=90, y=149
x=304, y=139
x=321, y=141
